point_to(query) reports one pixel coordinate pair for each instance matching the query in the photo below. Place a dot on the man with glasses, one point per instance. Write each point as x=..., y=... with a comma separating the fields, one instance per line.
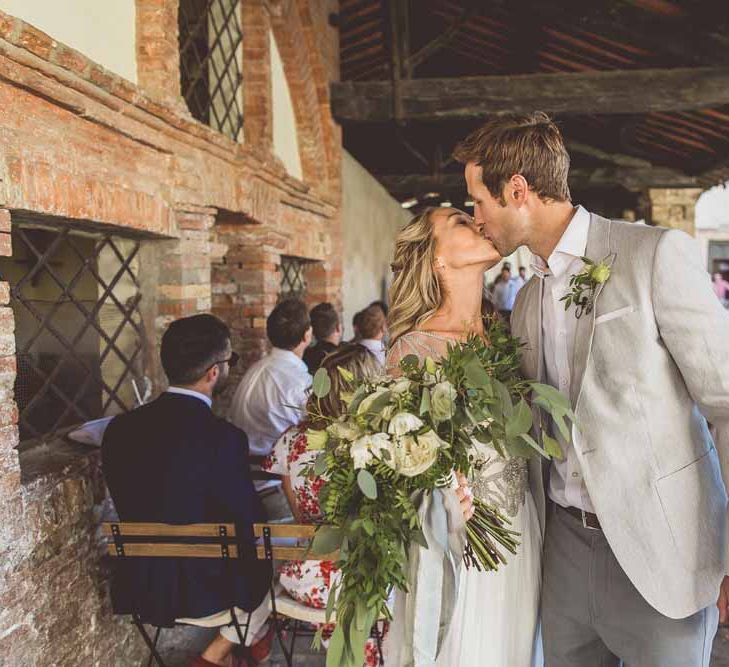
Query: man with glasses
x=174, y=461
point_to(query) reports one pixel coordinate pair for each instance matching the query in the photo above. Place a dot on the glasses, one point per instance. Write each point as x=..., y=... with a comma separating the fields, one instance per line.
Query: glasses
x=232, y=360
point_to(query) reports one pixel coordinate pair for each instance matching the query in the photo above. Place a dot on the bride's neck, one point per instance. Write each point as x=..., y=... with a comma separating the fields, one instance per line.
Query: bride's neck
x=461, y=309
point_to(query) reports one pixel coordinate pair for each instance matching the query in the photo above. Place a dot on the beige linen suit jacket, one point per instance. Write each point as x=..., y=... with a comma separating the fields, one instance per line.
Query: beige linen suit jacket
x=650, y=365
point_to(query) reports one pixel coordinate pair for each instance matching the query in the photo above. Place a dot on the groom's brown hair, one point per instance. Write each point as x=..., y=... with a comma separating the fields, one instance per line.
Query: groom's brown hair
x=526, y=144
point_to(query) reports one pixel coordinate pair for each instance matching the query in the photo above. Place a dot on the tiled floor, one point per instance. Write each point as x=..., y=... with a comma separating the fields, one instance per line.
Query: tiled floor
x=191, y=640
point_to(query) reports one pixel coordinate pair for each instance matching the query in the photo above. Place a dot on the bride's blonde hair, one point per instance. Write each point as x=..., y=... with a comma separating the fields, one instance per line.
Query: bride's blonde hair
x=416, y=291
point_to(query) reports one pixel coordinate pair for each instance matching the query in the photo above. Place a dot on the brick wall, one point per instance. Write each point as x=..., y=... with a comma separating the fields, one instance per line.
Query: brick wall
x=81, y=144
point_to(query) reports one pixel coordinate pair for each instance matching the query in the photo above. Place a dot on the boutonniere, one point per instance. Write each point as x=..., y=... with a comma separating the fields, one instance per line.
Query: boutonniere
x=583, y=285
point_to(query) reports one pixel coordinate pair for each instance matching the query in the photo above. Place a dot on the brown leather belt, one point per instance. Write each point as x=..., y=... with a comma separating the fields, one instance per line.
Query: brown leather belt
x=588, y=519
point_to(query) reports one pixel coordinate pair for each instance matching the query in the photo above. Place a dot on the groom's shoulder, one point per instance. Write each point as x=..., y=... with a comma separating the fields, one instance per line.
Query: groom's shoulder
x=636, y=237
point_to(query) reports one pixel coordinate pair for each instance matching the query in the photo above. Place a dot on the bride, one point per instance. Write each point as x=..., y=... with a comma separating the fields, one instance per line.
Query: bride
x=436, y=299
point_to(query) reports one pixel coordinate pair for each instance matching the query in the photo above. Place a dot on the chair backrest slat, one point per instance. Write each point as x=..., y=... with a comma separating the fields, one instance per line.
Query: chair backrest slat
x=303, y=530
x=293, y=553
x=170, y=550
x=128, y=529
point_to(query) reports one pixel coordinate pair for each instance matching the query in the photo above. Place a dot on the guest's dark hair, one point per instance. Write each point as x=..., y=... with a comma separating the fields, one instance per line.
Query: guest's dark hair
x=191, y=345
x=382, y=306
x=288, y=323
x=324, y=320
x=372, y=322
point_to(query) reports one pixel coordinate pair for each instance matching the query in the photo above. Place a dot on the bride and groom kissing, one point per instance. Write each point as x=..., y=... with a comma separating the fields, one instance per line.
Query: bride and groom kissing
x=623, y=540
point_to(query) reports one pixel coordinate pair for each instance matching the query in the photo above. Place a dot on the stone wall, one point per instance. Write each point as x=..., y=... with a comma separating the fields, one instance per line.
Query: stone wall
x=80, y=145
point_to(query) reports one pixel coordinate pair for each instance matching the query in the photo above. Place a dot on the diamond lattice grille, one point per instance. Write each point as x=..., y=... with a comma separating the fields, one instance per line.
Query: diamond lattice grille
x=79, y=332
x=211, y=63
x=293, y=283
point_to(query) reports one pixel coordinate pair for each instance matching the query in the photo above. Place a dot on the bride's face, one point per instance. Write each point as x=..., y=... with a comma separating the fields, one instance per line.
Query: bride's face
x=459, y=241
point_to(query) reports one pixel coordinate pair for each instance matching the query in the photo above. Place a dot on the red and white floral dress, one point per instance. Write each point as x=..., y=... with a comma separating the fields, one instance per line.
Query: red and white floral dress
x=310, y=581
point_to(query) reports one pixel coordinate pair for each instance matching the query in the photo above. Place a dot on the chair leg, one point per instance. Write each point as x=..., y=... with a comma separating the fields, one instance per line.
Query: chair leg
x=156, y=639
x=293, y=638
x=242, y=636
x=288, y=657
x=152, y=646
x=378, y=640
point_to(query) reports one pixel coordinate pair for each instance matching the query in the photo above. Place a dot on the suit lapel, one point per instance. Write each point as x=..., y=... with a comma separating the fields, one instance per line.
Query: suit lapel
x=598, y=248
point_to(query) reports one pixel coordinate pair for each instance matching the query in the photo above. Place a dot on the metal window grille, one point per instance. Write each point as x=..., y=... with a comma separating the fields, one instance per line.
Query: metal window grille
x=293, y=281
x=79, y=331
x=211, y=71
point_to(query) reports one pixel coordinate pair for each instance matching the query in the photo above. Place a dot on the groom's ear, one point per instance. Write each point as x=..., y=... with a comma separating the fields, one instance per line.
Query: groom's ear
x=517, y=190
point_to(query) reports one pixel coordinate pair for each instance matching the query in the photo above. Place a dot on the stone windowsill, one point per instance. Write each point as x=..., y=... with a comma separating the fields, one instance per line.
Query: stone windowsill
x=59, y=456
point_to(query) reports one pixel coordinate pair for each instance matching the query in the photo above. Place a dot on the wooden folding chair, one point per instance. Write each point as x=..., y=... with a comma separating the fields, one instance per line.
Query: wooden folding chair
x=157, y=540
x=298, y=617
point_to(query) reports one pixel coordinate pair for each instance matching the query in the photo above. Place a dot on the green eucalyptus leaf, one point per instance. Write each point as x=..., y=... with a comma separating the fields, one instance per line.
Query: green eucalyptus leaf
x=357, y=398
x=425, y=402
x=504, y=398
x=476, y=375
x=320, y=465
x=346, y=374
x=335, y=650
x=410, y=360
x=419, y=538
x=367, y=484
x=533, y=443
x=331, y=600
x=326, y=540
x=562, y=426
x=520, y=420
x=552, y=447
x=322, y=383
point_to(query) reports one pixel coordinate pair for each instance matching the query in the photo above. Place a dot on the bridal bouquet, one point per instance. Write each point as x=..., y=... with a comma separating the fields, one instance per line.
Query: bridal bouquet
x=401, y=439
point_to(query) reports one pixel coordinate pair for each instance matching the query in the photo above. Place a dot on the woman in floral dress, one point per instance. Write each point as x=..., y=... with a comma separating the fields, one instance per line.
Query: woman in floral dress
x=309, y=582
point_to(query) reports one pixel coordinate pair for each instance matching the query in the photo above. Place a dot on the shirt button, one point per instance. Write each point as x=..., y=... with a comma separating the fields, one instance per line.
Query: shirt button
x=575, y=474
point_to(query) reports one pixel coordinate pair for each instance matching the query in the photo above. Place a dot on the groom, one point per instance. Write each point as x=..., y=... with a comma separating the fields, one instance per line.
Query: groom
x=635, y=513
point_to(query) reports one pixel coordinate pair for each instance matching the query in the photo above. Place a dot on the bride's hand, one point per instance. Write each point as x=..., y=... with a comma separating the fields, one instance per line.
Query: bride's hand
x=465, y=496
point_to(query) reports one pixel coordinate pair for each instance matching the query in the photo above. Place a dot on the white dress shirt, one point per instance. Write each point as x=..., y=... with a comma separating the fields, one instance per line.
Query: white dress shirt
x=377, y=347
x=270, y=398
x=566, y=483
x=189, y=392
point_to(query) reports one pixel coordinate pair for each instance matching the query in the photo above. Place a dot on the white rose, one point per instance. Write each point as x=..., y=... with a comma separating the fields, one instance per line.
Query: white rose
x=401, y=386
x=404, y=422
x=366, y=404
x=415, y=455
x=345, y=430
x=442, y=401
x=360, y=452
x=380, y=443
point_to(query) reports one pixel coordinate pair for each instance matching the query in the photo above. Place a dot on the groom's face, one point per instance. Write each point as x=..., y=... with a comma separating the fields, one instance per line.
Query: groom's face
x=501, y=219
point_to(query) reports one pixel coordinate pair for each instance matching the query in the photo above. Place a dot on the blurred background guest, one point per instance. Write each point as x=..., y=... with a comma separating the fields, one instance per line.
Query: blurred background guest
x=327, y=328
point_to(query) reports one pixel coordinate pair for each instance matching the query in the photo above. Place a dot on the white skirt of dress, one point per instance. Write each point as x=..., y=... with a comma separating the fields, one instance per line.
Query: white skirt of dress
x=496, y=620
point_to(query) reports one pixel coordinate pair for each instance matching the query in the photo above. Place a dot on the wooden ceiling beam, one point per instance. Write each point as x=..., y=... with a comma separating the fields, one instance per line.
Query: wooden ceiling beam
x=631, y=178
x=469, y=98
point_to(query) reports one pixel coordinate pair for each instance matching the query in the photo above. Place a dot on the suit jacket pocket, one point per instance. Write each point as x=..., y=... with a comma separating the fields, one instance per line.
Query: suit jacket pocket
x=694, y=503
x=620, y=312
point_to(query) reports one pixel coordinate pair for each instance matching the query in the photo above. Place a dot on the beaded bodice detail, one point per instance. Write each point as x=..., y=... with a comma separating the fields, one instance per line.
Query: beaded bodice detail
x=498, y=481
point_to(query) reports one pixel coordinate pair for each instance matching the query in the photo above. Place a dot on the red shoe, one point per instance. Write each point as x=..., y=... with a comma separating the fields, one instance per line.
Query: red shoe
x=261, y=650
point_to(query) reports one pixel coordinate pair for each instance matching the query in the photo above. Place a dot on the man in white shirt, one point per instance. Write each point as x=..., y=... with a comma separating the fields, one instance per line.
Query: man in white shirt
x=272, y=395
x=373, y=329
x=634, y=539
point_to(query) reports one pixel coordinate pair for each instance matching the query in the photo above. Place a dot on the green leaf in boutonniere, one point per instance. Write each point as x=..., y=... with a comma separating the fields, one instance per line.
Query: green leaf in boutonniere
x=583, y=285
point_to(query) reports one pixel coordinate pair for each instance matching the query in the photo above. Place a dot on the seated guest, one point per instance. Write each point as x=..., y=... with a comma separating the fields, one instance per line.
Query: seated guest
x=272, y=395
x=328, y=333
x=382, y=306
x=373, y=329
x=356, y=319
x=173, y=461
x=309, y=582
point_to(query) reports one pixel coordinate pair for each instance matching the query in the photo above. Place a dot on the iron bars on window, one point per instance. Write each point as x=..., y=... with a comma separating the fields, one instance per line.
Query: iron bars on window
x=79, y=331
x=293, y=282
x=211, y=70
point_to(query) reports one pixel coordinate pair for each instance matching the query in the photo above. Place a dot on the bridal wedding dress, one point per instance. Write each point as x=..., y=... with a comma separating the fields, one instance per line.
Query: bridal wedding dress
x=496, y=618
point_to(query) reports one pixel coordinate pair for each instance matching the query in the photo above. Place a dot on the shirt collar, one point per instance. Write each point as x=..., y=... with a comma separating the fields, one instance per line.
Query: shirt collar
x=573, y=244
x=288, y=356
x=189, y=392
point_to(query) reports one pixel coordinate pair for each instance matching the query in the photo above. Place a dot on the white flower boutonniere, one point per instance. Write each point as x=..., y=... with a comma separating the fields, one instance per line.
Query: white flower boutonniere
x=583, y=285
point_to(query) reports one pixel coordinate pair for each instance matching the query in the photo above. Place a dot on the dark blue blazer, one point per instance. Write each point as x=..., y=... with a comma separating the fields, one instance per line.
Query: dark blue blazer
x=173, y=461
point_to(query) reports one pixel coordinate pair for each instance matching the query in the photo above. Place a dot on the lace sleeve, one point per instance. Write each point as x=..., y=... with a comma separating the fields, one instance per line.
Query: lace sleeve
x=402, y=347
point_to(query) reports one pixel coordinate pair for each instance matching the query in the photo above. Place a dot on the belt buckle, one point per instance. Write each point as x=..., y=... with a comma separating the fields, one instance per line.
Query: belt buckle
x=584, y=521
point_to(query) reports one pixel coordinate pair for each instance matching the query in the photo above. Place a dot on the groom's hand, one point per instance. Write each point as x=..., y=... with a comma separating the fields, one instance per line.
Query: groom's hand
x=465, y=496
x=723, y=602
